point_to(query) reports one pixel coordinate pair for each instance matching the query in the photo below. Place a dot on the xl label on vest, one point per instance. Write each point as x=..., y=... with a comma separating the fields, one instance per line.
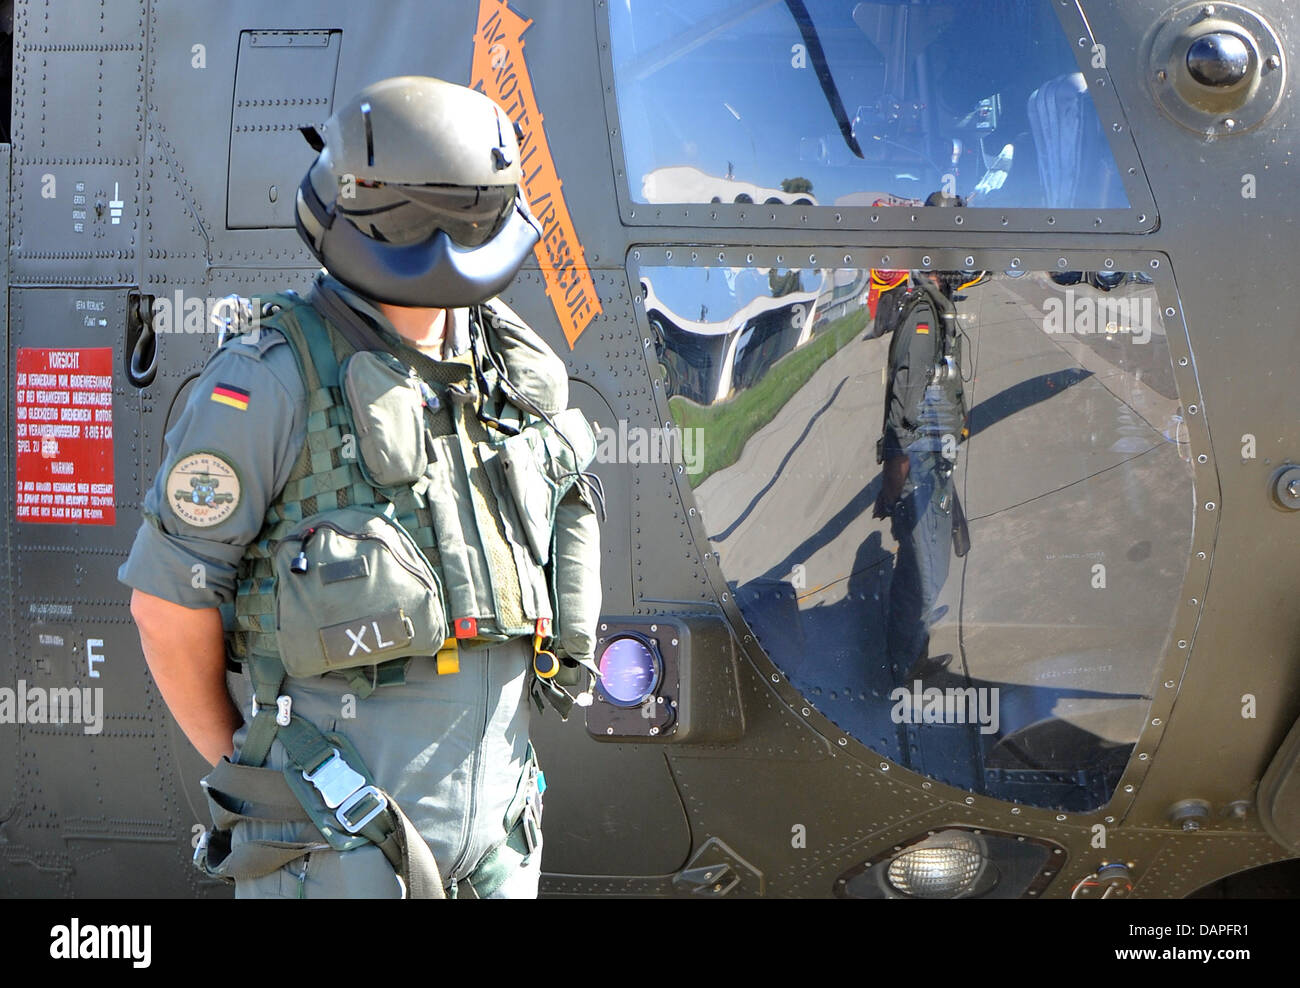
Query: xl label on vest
x=353, y=643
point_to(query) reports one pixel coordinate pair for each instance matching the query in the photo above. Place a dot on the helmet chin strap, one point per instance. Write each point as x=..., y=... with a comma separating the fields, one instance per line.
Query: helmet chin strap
x=435, y=273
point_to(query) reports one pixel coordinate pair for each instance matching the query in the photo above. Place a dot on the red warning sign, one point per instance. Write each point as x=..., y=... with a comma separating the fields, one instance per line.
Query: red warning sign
x=63, y=424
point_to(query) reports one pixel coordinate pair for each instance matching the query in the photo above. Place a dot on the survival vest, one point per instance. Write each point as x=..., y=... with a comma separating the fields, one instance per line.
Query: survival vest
x=928, y=412
x=422, y=510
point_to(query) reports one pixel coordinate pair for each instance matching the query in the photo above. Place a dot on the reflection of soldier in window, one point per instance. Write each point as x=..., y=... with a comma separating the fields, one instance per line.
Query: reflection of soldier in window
x=925, y=422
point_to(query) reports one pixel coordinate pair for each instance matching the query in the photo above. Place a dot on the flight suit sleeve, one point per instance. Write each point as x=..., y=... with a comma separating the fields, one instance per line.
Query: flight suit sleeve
x=226, y=459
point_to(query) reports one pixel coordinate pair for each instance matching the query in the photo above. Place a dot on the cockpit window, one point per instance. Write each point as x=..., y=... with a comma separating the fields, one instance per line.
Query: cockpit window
x=955, y=508
x=844, y=104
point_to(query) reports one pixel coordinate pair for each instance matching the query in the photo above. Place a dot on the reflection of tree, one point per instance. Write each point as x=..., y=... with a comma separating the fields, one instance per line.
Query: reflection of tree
x=797, y=184
x=784, y=284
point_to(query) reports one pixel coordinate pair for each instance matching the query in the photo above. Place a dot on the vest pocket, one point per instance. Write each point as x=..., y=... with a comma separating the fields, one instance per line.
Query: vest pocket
x=540, y=465
x=384, y=399
x=353, y=589
x=521, y=459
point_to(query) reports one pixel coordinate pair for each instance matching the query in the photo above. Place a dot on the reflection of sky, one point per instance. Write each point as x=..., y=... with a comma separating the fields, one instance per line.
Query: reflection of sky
x=724, y=290
x=732, y=95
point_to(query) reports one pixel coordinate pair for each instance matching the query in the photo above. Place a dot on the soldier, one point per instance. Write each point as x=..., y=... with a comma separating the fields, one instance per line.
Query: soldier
x=924, y=423
x=396, y=531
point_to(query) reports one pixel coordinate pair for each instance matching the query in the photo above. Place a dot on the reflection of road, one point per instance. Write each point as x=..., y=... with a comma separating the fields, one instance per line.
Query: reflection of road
x=1070, y=466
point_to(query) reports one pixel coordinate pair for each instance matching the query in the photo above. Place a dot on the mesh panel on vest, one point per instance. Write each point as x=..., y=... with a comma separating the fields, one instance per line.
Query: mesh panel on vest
x=322, y=478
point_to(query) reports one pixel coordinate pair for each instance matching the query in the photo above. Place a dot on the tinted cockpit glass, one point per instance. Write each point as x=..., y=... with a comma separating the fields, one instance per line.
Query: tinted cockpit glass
x=841, y=103
x=958, y=526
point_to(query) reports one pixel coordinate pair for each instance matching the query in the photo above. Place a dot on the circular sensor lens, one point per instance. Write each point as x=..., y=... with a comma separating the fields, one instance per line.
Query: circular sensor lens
x=629, y=671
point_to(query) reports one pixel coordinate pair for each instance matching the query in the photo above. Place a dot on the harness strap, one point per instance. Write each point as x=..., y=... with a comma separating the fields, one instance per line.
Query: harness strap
x=495, y=868
x=308, y=749
x=263, y=795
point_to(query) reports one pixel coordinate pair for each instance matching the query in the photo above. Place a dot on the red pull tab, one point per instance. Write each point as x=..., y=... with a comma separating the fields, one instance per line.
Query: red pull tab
x=466, y=627
x=541, y=631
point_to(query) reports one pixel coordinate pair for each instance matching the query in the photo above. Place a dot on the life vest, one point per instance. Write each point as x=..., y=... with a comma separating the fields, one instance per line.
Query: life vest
x=934, y=413
x=476, y=510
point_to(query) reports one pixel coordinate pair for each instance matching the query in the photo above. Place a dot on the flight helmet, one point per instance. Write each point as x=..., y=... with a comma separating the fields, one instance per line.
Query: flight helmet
x=414, y=196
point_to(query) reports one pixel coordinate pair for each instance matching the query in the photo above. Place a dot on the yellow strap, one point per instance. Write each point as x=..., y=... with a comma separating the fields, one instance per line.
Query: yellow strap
x=448, y=658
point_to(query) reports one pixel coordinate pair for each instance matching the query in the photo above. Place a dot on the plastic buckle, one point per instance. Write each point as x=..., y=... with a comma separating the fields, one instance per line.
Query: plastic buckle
x=282, y=708
x=532, y=831
x=341, y=814
x=335, y=780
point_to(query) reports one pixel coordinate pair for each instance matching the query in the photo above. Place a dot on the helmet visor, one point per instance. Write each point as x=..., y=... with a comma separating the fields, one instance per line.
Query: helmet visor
x=409, y=214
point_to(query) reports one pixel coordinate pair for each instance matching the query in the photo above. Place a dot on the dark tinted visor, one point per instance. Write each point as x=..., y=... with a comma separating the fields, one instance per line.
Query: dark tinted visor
x=409, y=214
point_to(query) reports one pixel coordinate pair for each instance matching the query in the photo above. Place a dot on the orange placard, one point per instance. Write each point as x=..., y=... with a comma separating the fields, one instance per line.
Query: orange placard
x=499, y=71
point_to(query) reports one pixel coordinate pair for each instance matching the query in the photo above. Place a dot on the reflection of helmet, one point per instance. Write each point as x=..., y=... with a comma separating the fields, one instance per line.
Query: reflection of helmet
x=414, y=197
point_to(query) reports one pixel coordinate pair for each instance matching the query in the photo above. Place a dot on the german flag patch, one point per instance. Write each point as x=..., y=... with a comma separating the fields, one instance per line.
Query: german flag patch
x=228, y=394
x=923, y=328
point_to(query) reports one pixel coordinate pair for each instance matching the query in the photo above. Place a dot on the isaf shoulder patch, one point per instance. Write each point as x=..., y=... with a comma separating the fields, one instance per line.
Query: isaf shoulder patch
x=203, y=489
